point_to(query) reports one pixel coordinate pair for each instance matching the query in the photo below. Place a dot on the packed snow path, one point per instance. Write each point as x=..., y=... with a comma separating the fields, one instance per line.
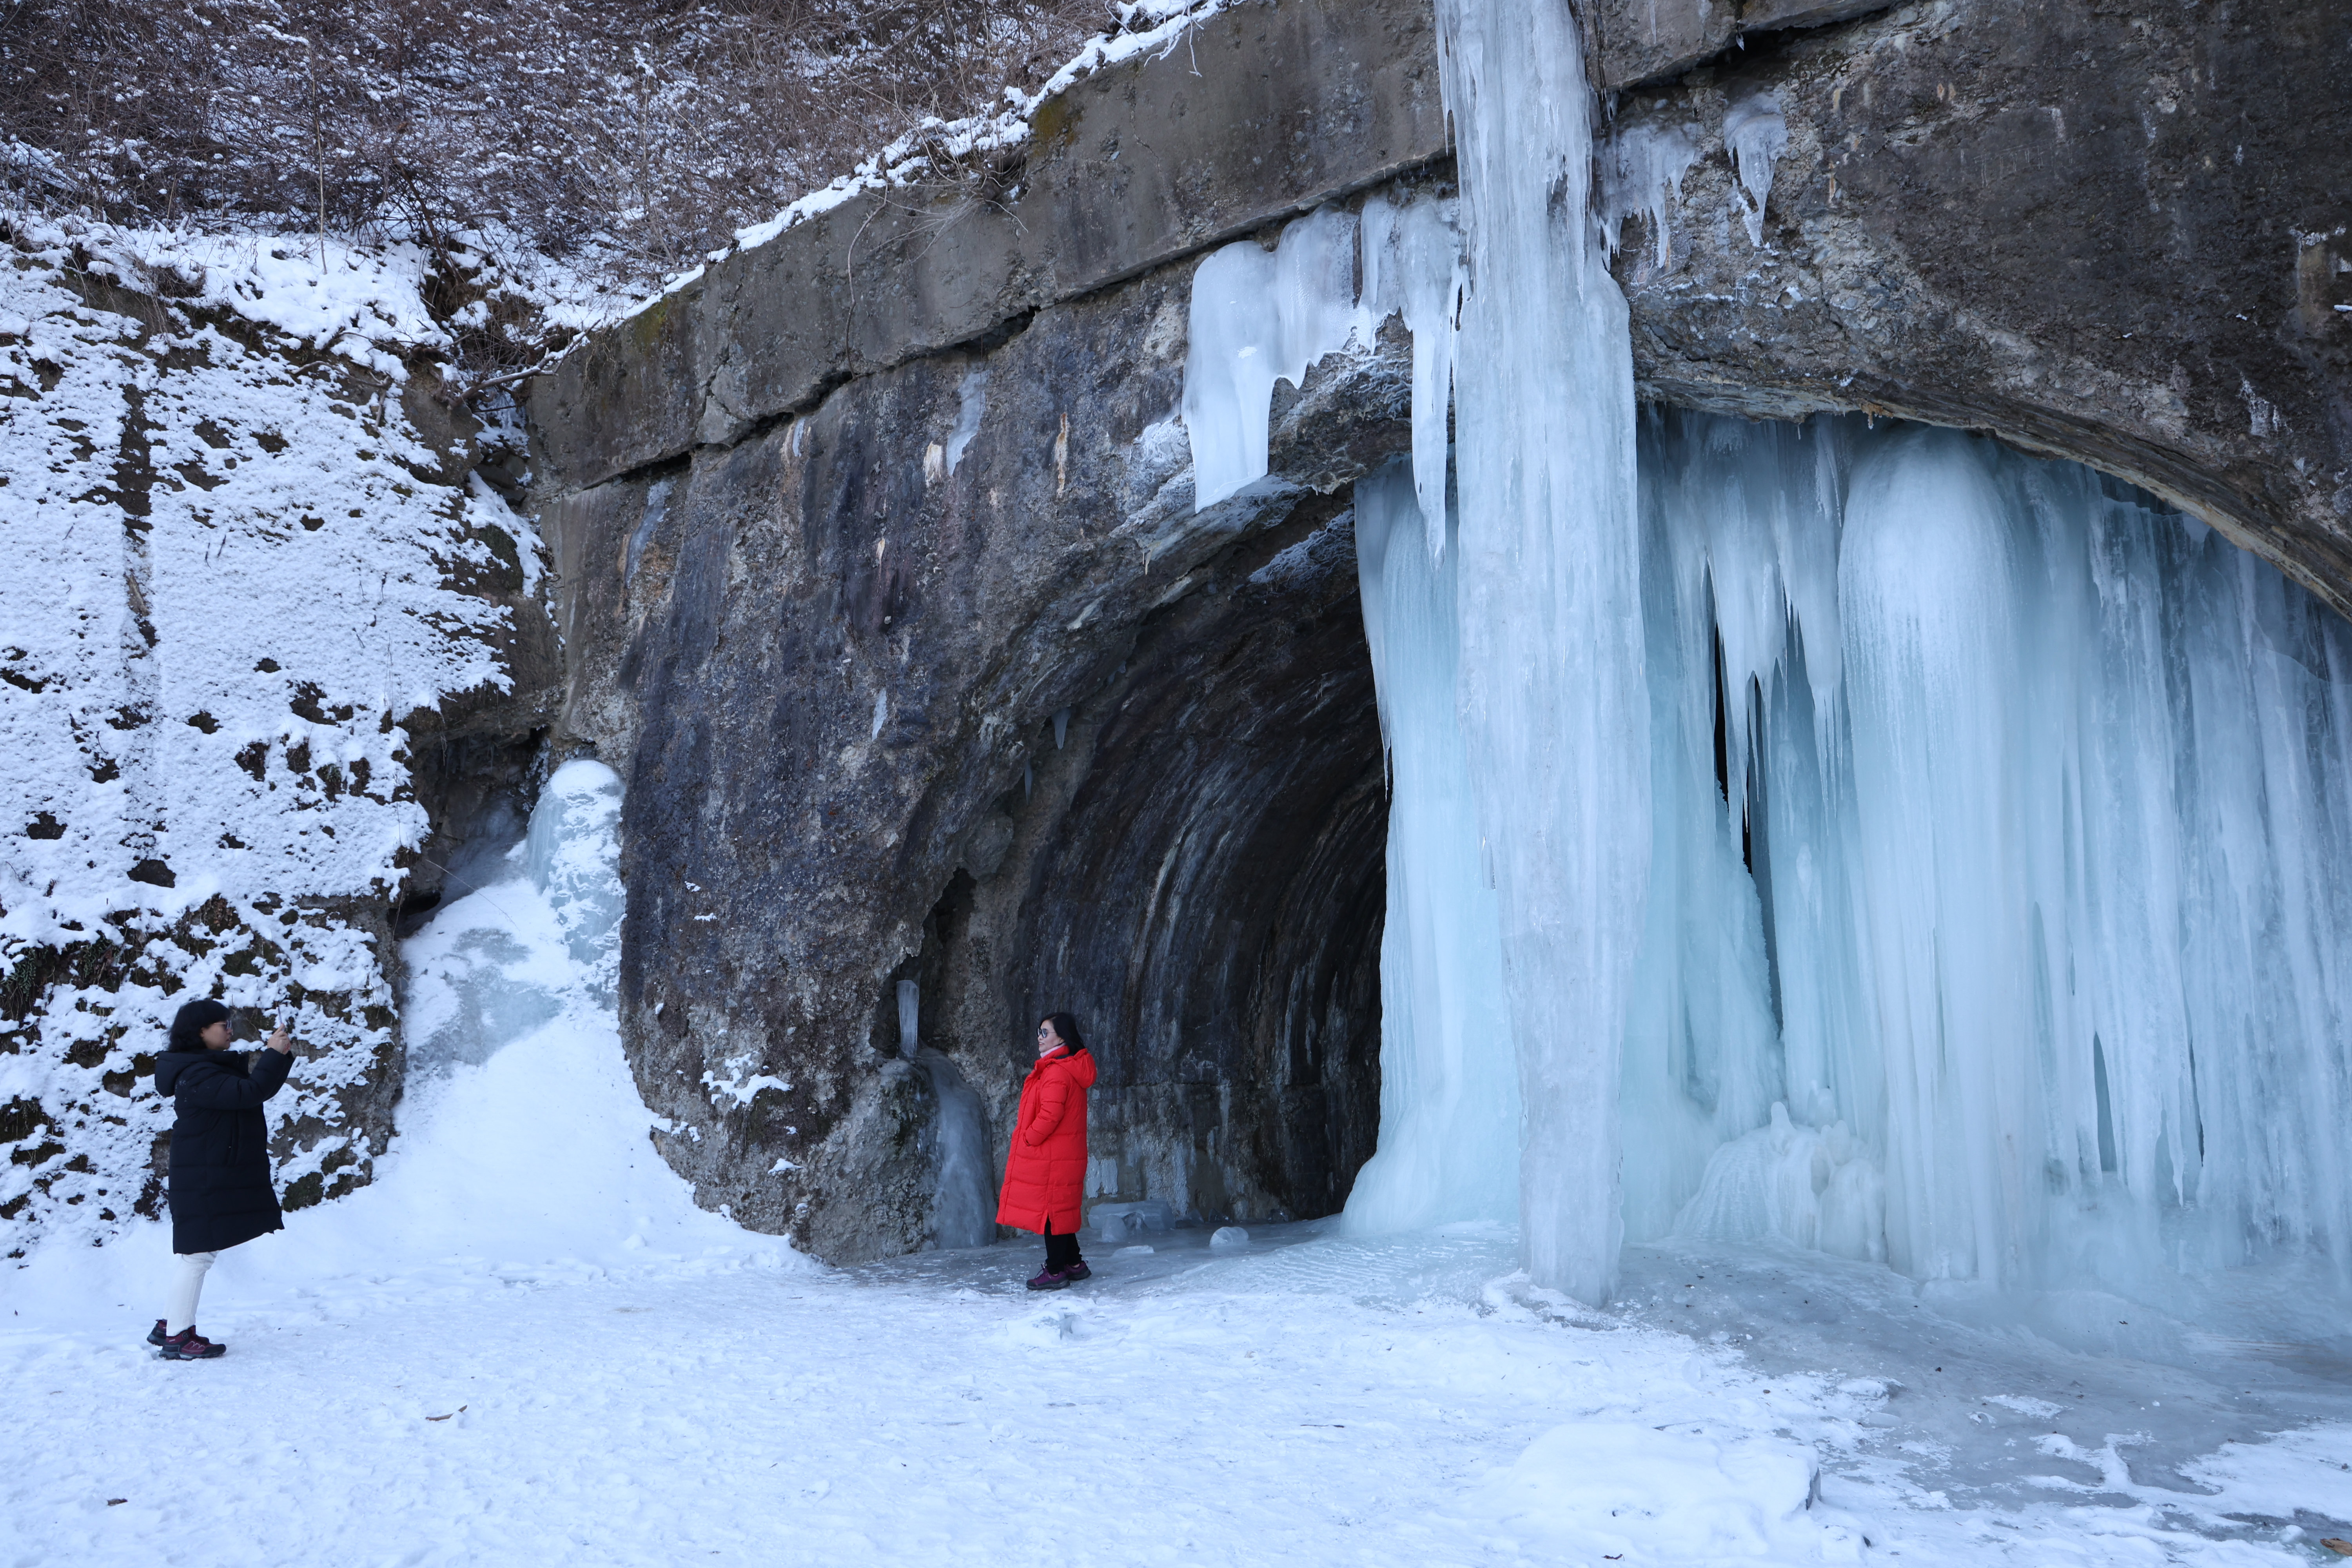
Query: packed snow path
x=1313, y=1400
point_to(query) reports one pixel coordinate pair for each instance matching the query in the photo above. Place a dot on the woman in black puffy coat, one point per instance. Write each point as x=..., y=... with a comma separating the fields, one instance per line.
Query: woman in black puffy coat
x=218, y=1180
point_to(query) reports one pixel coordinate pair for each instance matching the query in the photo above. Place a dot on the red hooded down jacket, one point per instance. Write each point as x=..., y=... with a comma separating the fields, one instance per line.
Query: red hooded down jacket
x=1046, y=1171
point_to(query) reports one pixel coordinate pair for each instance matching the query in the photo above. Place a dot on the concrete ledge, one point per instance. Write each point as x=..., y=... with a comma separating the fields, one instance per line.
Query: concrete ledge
x=1262, y=112
x=1629, y=43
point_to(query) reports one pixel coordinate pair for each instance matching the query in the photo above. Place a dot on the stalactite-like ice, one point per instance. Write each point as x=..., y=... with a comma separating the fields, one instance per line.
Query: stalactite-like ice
x=972, y=405
x=1554, y=711
x=1413, y=269
x=1754, y=134
x=1996, y=928
x=910, y=1018
x=1642, y=170
x=2048, y=811
x=1449, y=1079
x=1259, y=317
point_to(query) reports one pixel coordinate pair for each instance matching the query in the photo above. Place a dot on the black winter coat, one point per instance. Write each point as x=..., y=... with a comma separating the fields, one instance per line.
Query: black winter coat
x=220, y=1189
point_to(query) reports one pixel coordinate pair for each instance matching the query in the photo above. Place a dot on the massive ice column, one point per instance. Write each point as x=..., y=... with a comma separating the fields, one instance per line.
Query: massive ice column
x=1554, y=707
x=1449, y=1076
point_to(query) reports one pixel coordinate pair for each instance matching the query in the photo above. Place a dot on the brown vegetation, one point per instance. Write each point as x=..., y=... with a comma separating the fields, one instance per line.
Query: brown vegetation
x=623, y=136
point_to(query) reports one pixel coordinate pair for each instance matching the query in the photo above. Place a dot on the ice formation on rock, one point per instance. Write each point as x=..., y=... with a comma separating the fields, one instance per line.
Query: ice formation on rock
x=972, y=405
x=1893, y=845
x=1259, y=317
x=1413, y=269
x=2044, y=790
x=1519, y=314
x=539, y=937
x=1449, y=1078
x=954, y=1141
x=910, y=1003
x=1642, y=170
x=1553, y=707
x=963, y=1194
x=574, y=854
x=1755, y=133
x=2000, y=821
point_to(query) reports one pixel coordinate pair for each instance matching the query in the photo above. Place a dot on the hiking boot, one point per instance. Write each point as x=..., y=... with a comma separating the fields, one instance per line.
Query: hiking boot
x=189, y=1345
x=156, y=1336
x=1076, y=1272
x=1052, y=1279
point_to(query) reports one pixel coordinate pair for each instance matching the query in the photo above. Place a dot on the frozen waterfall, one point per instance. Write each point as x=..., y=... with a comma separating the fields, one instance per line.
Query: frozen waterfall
x=1552, y=703
x=2047, y=792
x=529, y=934
x=1449, y=1076
x=1868, y=838
x=2000, y=824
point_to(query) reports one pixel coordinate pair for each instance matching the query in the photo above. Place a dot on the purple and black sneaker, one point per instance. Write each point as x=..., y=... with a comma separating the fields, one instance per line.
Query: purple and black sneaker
x=1051, y=1279
x=189, y=1345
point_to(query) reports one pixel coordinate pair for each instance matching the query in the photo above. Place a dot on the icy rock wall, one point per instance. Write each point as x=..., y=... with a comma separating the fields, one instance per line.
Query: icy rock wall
x=239, y=570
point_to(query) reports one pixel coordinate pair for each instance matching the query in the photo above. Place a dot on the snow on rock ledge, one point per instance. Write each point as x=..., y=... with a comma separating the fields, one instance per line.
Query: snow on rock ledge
x=240, y=576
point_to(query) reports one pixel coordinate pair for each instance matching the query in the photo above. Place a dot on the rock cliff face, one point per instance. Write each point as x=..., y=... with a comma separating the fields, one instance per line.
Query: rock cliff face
x=881, y=583
x=2110, y=233
x=263, y=637
x=1026, y=730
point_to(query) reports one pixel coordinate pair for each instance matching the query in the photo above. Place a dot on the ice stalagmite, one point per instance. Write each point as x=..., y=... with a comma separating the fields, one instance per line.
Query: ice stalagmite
x=1449, y=1079
x=1555, y=712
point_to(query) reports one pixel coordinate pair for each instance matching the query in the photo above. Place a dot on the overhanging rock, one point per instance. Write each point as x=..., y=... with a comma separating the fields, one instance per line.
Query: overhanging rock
x=882, y=586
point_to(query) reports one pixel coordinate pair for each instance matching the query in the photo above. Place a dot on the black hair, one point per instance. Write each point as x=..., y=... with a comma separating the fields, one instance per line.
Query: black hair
x=1067, y=1027
x=188, y=1025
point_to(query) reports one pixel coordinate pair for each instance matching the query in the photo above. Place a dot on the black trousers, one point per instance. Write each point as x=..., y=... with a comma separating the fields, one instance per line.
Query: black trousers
x=1061, y=1251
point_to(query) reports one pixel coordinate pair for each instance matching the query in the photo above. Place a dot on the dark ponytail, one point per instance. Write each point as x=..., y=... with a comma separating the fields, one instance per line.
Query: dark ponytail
x=1067, y=1027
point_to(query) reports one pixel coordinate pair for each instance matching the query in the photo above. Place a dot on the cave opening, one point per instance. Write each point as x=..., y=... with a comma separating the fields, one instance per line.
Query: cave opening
x=1192, y=863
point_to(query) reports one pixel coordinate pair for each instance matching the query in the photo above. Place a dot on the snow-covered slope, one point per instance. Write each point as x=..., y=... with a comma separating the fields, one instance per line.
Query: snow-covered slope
x=239, y=577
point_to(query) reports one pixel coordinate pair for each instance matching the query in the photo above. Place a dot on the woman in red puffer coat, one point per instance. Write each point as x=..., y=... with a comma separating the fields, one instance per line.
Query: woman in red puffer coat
x=1045, y=1170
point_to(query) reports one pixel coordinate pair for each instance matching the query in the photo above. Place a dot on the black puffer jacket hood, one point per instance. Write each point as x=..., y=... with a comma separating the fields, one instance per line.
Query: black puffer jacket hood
x=172, y=1064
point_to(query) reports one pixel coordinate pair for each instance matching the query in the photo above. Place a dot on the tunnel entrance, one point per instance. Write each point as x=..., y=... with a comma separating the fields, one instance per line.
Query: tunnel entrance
x=1193, y=864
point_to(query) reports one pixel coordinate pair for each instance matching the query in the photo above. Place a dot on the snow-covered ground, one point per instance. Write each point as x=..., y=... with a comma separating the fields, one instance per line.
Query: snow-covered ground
x=525, y=1342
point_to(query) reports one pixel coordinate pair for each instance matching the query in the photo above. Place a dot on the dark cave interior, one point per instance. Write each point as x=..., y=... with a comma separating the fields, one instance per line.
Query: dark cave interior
x=1196, y=869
